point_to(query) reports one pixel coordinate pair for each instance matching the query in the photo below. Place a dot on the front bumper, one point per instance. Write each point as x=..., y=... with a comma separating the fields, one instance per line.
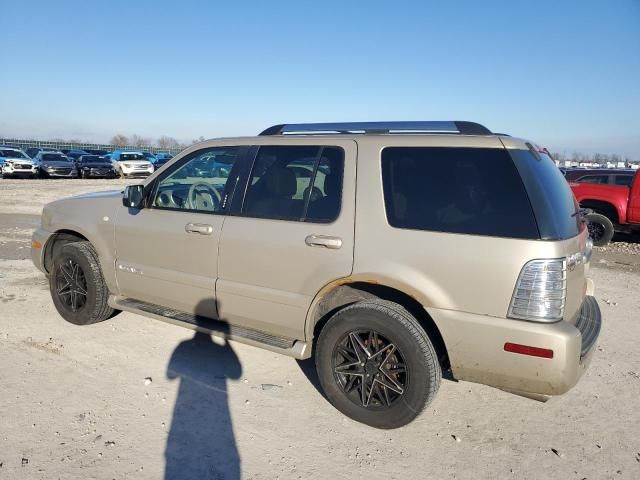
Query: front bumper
x=60, y=174
x=19, y=172
x=99, y=173
x=131, y=172
x=475, y=344
x=39, y=241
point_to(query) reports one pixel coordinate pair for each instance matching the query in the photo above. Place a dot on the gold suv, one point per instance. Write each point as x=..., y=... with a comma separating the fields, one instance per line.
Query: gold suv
x=389, y=251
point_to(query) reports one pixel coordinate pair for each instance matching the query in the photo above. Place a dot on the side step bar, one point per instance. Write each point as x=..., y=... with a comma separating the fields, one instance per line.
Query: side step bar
x=286, y=346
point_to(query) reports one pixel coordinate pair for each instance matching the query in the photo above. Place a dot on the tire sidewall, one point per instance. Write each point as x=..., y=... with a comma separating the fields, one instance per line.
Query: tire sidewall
x=609, y=230
x=85, y=314
x=418, y=386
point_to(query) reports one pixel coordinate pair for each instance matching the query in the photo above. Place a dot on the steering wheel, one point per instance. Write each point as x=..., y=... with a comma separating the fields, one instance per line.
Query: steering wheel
x=192, y=196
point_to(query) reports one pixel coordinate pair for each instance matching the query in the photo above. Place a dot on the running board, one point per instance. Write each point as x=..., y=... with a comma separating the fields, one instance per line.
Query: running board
x=217, y=328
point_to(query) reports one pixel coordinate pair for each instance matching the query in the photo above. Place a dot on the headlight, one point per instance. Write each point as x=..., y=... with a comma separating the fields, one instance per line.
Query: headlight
x=126, y=165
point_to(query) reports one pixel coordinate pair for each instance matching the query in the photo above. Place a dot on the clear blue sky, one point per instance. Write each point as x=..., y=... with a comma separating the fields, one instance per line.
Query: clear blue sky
x=563, y=73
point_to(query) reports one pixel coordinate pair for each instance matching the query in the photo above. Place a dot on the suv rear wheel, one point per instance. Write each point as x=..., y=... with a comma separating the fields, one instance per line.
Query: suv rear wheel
x=77, y=286
x=376, y=364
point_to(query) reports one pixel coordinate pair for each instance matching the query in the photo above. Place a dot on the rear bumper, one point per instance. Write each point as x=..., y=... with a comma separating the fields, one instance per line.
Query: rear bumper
x=475, y=344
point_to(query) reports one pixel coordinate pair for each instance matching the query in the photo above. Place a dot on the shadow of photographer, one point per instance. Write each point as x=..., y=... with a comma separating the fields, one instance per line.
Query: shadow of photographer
x=201, y=443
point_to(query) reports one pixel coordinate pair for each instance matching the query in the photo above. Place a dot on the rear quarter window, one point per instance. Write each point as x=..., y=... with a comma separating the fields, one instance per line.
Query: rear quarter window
x=475, y=191
x=553, y=202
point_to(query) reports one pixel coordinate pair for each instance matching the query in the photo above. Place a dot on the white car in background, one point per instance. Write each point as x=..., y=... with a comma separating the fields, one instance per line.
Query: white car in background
x=131, y=164
x=15, y=163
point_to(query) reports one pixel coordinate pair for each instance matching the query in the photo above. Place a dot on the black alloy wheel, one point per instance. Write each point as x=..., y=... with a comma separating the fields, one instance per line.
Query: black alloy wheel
x=370, y=369
x=376, y=364
x=71, y=285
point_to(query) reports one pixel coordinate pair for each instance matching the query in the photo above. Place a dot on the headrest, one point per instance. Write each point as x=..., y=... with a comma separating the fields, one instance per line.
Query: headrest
x=332, y=185
x=281, y=182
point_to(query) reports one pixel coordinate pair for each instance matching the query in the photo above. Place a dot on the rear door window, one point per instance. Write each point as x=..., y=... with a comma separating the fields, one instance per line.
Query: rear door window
x=475, y=191
x=299, y=183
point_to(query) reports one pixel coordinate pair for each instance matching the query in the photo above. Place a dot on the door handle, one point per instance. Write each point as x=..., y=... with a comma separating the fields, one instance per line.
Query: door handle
x=323, y=241
x=201, y=228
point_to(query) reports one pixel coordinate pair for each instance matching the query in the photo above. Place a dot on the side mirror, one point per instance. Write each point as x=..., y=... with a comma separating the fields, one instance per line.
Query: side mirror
x=133, y=195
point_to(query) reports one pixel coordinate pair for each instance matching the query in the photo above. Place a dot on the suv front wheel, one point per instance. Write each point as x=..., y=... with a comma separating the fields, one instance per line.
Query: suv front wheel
x=77, y=286
x=376, y=364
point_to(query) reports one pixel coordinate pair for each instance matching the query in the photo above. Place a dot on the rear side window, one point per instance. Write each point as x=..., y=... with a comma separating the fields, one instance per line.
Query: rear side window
x=624, y=180
x=553, y=202
x=475, y=191
x=299, y=183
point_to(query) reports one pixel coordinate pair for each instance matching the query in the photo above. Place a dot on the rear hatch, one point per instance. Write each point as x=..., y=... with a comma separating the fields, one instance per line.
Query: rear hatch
x=557, y=215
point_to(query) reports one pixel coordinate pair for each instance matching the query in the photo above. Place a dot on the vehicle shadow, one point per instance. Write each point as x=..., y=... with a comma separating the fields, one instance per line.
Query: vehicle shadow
x=201, y=442
x=632, y=237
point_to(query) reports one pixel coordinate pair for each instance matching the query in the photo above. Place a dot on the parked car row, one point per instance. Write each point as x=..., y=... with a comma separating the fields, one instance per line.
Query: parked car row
x=47, y=162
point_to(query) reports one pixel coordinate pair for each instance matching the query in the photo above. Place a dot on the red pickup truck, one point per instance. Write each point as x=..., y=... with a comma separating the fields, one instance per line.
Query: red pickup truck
x=615, y=208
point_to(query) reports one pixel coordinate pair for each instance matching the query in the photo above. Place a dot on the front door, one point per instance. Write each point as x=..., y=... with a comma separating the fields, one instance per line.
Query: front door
x=292, y=234
x=167, y=252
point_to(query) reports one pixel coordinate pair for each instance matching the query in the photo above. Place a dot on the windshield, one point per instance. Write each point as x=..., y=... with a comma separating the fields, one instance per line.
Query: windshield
x=131, y=156
x=12, y=154
x=54, y=157
x=93, y=159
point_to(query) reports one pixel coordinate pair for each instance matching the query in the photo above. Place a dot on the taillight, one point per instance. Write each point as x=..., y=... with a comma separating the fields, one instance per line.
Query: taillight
x=541, y=291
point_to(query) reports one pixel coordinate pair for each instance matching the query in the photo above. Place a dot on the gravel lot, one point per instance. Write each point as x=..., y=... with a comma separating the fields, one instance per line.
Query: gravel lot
x=136, y=398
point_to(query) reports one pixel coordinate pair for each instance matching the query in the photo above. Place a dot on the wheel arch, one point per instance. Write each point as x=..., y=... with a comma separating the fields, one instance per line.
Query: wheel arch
x=56, y=242
x=344, y=292
x=606, y=208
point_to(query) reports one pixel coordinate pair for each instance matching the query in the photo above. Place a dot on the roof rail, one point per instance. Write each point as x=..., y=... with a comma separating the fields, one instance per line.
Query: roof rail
x=454, y=127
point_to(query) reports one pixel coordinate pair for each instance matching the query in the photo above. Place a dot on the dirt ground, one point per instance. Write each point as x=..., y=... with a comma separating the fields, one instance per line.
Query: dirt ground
x=137, y=398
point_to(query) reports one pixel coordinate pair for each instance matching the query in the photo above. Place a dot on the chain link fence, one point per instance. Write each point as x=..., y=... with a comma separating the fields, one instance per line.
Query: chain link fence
x=24, y=144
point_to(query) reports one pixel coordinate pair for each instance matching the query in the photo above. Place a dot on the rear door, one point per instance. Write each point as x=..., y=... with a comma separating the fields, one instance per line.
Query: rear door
x=291, y=234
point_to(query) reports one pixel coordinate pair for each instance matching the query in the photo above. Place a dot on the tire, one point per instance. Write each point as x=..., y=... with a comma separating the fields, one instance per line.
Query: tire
x=600, y=229
x=76, y=265
x=380, y=325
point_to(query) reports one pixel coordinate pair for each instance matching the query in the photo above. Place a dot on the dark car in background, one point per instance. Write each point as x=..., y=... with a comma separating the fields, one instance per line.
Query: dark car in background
x=55, y=164
x=95, y=166
x=149, y=156
x=33, y=151
x=161, y=159
x=74, y=154
x=603, y=176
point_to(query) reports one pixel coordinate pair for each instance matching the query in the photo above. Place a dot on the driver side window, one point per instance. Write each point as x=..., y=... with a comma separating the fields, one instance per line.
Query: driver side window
x=201, y=184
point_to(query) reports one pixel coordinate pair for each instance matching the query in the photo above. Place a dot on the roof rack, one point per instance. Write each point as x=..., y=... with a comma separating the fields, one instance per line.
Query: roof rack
x=453, y=127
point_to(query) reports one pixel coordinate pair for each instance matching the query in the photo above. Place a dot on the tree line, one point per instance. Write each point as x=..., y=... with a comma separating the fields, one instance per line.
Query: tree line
x=599, y=158
x=164, y=141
